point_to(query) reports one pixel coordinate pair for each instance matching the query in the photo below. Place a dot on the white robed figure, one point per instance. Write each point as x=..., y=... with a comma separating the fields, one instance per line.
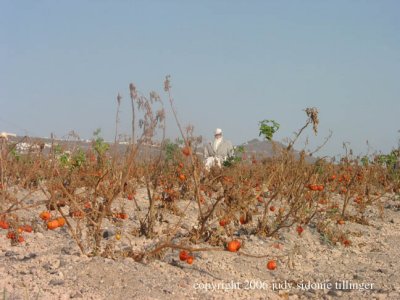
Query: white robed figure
x=218, y=151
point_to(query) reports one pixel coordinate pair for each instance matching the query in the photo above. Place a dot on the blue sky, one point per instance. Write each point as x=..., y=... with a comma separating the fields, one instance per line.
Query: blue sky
x=233, y=63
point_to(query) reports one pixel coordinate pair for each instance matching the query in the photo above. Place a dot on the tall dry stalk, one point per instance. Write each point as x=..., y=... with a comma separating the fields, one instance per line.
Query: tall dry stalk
x=312, y=114
x=167, y=88
x=133, y=94
x=119, y=98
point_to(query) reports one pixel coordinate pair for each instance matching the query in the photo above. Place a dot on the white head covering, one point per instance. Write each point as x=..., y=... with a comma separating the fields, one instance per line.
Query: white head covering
x=218, y=131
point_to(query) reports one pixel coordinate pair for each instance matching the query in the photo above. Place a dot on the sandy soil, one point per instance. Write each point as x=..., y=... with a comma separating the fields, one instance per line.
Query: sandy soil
x=49, y=264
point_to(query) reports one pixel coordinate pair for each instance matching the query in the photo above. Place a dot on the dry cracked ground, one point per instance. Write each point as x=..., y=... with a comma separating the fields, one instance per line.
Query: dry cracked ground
x=49, y=264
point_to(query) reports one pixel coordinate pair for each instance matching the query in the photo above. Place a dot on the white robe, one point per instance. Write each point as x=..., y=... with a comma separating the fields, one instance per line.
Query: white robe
x=214, y=161
x=216, y=144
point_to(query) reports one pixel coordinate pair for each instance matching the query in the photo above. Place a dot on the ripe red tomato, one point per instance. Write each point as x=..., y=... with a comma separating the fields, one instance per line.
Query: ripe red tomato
x=233, y=246
x=190, y=260
x=53, y=224
x=271, y=265
x=11, y=235
x=346, y=243
x=299, y=229
x=45, y=215
x=313, y=187
x=223, y=222
x=4, y=225
x=183, y=255
x=61, y=221
x=122, y=216
x=27, y=228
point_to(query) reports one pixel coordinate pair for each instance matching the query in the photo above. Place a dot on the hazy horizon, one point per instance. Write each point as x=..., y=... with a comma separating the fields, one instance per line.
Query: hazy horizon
x=231, y=64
